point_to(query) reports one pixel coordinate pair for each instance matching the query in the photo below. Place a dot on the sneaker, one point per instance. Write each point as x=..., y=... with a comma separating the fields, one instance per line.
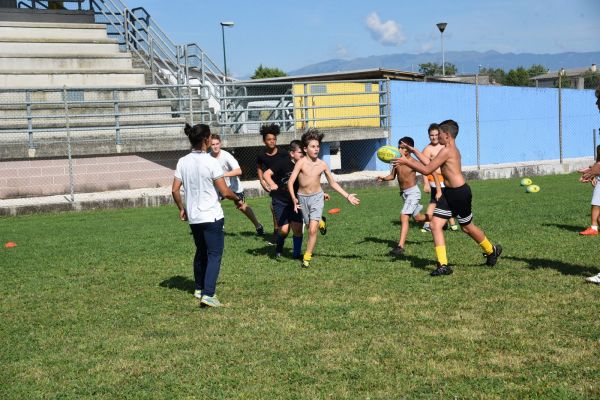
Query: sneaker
x=210, y=301
x=425, y=228
x=198, y=294
x=323, y=225
x=273, y=240
x=589, y=232
x=492, y=259
x=305, y=264
x=594, y=279
x=260, y=230
x=454, y=227
x=277, y=255
x=396, y=251
x=442, y=270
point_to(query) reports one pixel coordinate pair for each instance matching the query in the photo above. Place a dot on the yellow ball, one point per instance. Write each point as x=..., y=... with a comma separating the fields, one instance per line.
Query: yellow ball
x=526, y=182
x=533, y=189
x=388, y=153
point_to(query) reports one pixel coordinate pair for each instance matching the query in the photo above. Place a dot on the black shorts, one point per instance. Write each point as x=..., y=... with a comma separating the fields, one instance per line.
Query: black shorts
x=284, y=211
x=455, y=202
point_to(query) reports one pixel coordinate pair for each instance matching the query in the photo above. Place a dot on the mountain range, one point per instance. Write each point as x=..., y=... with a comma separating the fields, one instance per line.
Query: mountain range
x=467, y=62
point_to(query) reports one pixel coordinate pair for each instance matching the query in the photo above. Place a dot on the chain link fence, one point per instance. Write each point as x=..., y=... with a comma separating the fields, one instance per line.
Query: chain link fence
x=74, y=140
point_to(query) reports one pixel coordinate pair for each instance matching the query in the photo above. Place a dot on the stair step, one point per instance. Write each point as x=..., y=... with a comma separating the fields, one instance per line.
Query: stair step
x=116, y=61
x=28, y=24
x=53, y=32
x=76, y=79
x=58, y=46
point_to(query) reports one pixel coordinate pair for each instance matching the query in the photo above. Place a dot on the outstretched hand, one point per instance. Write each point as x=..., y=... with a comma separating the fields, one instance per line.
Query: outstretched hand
x=407, y=147
x=399, y=161
x=353, y=199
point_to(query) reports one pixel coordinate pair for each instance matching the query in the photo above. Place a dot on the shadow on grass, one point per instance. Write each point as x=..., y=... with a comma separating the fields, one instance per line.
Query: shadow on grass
x=563, y=268
x=570, y=228
x=417, y=262
x=178, y=282
x=391, y=243
x=246, y=234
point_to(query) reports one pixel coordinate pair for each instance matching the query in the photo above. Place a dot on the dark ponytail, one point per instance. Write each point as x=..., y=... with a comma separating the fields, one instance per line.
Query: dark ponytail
x=197, y=134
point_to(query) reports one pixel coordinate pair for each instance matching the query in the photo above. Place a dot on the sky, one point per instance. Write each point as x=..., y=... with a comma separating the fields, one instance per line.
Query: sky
x=289, y=34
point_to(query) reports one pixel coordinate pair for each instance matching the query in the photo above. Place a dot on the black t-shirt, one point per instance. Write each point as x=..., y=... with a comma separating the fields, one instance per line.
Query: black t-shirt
x=264, y=161
x=282, y=170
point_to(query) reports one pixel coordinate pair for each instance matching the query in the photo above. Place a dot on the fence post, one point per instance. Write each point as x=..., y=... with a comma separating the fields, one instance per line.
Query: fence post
x=118, y=140
x=126, y=28
x=29, y=119
x=151, y=59
x=560, y=133
x=191, y=101
x=477, y=121
x=68, y=128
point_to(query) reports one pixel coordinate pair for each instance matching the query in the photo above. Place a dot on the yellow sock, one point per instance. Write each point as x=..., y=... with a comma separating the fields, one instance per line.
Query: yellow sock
x=487, y=246
x=307, y=256
x=440, y=252
x=321, y=224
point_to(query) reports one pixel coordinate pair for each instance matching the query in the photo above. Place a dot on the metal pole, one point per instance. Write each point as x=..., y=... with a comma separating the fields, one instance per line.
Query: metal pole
x=151, y=60
x=443, y=57
x=560, y=130
x=68, y=128
x=118, y=140
x=477, y=121
x=126, y=28
x=224, y=55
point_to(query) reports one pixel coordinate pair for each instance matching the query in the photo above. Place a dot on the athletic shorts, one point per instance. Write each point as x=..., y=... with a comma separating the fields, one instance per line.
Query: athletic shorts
x=432, y=192
x=412, y=200
x=284, y=211
x=311, y=206
x=596, y=195
x=455, y=202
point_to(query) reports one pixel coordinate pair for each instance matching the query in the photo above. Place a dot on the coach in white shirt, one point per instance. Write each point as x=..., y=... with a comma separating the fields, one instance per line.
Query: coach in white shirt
x=201, y=177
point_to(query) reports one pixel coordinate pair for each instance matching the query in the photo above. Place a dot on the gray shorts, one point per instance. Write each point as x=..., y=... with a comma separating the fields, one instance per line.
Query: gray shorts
x=596, y=195
x=412, y=201
x=311, y=206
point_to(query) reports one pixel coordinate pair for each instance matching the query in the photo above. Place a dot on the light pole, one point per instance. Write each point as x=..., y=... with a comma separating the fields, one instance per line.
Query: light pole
x=560, y=125
x=442, y=26
x=223, y=25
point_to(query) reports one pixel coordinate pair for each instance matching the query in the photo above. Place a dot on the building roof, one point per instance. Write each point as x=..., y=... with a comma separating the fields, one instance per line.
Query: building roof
x=569, y=72
x=374, y=73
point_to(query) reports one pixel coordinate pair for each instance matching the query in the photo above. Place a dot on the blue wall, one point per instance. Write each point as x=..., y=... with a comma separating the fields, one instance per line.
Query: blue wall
x=516, y=124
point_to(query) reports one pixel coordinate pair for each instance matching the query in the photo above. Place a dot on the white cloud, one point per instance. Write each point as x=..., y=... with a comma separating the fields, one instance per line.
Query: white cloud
x=388, y=33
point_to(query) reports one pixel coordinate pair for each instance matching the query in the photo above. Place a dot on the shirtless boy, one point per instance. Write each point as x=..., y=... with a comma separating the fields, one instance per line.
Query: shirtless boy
x=455, y=200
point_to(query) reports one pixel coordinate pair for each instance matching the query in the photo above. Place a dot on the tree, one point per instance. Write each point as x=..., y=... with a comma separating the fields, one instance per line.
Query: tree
x=435, y=69
x=537, y=69
x=266, y=72
x=517, y=77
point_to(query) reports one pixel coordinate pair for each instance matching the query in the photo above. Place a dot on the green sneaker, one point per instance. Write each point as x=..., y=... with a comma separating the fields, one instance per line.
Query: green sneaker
x=210, y=301
x=305, y=264
x=198, y=294
x=454, y=227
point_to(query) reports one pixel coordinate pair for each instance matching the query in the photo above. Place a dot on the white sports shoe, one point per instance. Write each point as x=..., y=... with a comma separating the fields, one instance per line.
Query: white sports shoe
x=198, y=294
x=594, y=279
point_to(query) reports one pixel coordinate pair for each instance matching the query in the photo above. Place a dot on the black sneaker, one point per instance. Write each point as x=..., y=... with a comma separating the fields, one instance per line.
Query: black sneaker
x=442, y=270
x=260, y=231
x=323, y=225
x=492, y=259
x=396, y=251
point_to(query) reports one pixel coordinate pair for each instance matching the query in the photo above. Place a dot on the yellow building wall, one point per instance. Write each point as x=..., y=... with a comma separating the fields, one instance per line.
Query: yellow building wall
x=334, y=95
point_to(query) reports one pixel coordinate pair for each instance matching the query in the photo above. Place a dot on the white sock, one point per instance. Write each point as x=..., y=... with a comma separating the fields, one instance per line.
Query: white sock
x=595, y=227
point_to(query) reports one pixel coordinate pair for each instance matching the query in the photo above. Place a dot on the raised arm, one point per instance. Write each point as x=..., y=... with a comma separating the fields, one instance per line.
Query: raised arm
x=424, y=158
x=433, y=165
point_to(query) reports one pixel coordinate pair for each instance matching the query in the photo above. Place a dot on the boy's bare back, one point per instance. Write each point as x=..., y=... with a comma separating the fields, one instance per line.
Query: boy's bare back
x=309, y=176
x=451, y=167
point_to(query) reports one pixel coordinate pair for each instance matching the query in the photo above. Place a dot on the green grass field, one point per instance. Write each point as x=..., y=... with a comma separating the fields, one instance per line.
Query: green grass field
x=99, y=304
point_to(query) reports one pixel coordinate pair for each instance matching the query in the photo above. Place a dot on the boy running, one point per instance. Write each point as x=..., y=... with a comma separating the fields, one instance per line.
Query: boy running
x=232, y=173
x=455, y=200
x=265, y=158
x=429, y=183
x=277, y=178
x=310, y=199
x=410, y=192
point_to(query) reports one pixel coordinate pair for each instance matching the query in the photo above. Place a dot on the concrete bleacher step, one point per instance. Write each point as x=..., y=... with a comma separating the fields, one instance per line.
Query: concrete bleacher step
x=57, y=62
x=57, y=127
x=12, y=96
x=58, y=46
x=88, y=78
x=37, y=30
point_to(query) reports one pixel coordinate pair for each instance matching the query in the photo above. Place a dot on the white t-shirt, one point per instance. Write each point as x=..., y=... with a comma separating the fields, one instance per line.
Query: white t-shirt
x=198, y=171
x=229, y=163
